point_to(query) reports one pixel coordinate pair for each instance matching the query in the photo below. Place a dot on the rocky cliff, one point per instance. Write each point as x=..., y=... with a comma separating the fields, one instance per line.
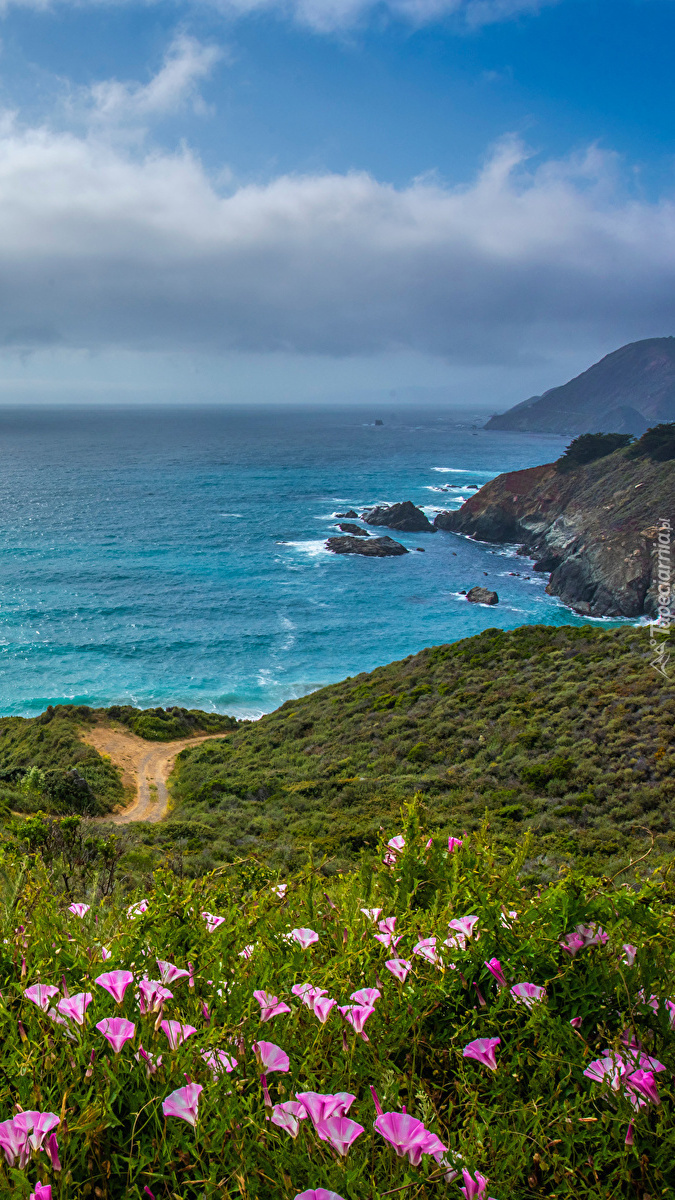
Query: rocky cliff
x=592, y=528
x=625, y=392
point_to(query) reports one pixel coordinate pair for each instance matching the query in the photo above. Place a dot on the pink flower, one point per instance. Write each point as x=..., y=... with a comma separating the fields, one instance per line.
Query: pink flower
x=629, y=953
x=74, y=1007
x=115, y=982
x=483, y=1050
x=322, y=1008
x=397, y=844
x=576, y=1022
x=399, y=968
x=152, y=996
x=427, y=949
x=272, y=1058
x=528, y=993
x=117, y=1030
x=371, y=913
x=168, y=973
x=319, y=1106
x=652, y=1002
x=280, y=890
x=151, y=1062
x=387, y=939
x=212, y=922
x=304, y=937
x=495, y=968
x=317, y=1194
x=405, y=1133
x=31, y=1130
x=644, y=1084
x=340, y=1132
x=79, y=910
x=247, y=951
x=357, y=1015
x=464, y=925
x=607, y=1069
x=457, y=942
x=43, y=1191
x=218, y=1061
x=307, y=993
x=183, y=1103
x=670, y=1007
x=105, y=954
x=177, y=1033
x=366, y=995
x=288, y=1116
x=41, y=994
x=387, y=925
x=12, y=1141
x=473, y=1187
x=629, y=1134
x=572, y=943
x=507, y=918
x=454, y=844
x=270, y=1006
x=137, y=909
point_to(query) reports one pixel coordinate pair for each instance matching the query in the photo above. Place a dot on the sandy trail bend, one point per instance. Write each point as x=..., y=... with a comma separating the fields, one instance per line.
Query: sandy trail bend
x=145, y=768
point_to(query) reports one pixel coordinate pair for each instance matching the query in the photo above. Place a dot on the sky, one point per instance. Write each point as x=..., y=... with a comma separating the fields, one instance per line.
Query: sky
x=463, y=201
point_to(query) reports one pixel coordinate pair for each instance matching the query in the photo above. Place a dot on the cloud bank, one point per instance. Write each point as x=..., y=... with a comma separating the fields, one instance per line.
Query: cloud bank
x=104, y=247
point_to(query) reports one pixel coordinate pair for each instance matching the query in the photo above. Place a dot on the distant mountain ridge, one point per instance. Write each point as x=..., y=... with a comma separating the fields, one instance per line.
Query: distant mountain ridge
x=626, y=392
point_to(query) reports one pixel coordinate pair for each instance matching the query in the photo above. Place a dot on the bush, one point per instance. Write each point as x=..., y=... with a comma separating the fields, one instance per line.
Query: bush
x=590, y=446
x=658, y=443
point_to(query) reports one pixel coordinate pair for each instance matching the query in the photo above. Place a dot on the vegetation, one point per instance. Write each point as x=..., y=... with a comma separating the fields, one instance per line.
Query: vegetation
x=658, y=443
x=589, y=446
x=561, y=735
x=165, y=725
x=573, y=1096
x=45, y=765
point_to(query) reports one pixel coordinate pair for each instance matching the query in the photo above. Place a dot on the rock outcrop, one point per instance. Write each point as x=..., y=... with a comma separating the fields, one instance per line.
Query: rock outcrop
x=383, y=547
x=349, y=513
x=593, y=528
x=625, y=392
x=482, y=595
x=355, y=530
x=404, y=517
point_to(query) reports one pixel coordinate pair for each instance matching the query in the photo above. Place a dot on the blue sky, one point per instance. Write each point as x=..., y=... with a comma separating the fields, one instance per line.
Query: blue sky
x=325, y=199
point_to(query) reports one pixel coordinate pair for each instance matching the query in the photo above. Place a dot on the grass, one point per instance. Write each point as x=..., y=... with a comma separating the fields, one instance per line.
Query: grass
x=535, y=1127
x=561, y=736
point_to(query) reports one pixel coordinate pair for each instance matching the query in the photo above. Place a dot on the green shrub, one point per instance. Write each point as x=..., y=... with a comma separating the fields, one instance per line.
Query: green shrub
x=590, y=446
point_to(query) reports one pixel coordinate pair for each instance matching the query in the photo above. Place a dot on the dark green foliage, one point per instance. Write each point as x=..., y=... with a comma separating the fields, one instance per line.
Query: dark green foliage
x=167, y=725
x=566, y=732
x=589, y=446
x=52, y=742
x=658, y=443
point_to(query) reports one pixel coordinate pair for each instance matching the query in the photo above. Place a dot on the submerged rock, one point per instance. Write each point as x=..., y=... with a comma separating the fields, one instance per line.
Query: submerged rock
x=383, y=547
x=356, y=530
x=350, y=513
x=482, y=595
x=404, y=517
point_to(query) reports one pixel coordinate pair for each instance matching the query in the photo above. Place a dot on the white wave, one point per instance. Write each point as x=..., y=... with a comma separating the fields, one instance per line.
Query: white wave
x=462, y=471
x=231, y=514
x=313, y=549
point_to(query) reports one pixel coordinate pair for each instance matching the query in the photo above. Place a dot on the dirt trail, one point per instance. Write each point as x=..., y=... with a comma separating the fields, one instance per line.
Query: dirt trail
x=145, y=767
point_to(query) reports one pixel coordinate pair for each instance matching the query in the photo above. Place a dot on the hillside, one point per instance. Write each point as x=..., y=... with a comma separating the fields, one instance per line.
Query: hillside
x=69, y=776
x=562, y=733
x=623, y=393
x=593, y=527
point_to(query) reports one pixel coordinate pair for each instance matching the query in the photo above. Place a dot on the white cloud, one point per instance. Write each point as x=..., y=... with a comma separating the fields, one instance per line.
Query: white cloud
x=328, y=16
x=101, y=249
x=186, y=63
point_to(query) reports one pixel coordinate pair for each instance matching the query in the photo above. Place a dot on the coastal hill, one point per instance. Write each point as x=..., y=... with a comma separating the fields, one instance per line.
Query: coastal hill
x=625, y=392
x=593, y=525
x=561, y=735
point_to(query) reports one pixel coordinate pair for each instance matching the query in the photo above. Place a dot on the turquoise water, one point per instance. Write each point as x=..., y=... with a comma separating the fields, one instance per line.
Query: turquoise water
x=160, y=557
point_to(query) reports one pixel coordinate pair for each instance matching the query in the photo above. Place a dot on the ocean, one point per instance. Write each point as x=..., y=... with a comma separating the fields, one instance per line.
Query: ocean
x=176, y=556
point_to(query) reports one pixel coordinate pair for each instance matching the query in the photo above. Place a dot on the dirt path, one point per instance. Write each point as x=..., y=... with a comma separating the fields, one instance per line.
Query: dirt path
x=145, y=768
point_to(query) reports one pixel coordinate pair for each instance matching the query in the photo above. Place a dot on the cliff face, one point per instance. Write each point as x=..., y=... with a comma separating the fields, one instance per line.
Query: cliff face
x=625, y=392
x=592, y=528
